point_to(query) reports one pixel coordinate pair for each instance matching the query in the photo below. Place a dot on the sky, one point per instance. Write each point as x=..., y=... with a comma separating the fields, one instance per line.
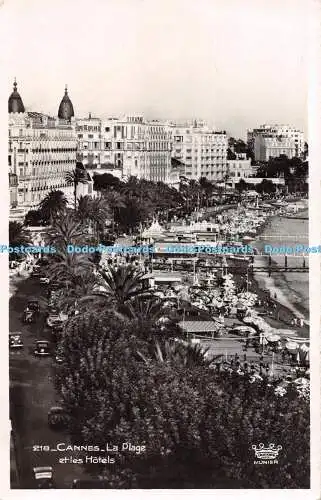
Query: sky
x=234, y=63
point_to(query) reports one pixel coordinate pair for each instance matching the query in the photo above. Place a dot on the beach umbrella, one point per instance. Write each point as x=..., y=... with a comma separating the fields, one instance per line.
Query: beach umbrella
x=301, y=381
x=273, y=338
x=244, y=330
x=291, y=346
x=304, y=348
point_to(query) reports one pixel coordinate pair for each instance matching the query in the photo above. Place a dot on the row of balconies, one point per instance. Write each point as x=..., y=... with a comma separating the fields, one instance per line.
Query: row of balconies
x=54, y=150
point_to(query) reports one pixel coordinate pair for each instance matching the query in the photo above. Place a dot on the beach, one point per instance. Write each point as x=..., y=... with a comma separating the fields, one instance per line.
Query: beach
x=291, y=288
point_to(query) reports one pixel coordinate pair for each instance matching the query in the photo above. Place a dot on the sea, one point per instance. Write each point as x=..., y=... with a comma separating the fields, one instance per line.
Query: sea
x=293, y=286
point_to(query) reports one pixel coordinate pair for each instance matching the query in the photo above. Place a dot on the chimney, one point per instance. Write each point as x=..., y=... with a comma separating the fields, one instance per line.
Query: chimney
x=89, y=116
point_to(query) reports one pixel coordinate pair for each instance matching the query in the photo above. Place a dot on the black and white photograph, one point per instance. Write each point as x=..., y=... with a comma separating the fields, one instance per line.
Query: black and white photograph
x=158, y=249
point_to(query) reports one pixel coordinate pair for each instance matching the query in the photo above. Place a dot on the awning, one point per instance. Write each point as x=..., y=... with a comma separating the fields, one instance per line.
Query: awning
x=198, y=326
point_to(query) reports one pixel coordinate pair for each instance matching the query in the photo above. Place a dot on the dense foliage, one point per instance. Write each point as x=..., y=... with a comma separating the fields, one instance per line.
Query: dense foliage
x=198, y=426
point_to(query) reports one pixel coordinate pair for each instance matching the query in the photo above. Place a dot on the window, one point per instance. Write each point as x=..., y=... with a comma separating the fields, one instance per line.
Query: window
x=80, y=136
x=107, y=129
x=90, y=136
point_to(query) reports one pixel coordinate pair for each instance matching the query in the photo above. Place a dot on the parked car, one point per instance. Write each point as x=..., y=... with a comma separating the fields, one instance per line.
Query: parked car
x=57, y=418
x=43, y=477
x=15, y=341
x=33, y=305
x=56, y=318
x=42, y=348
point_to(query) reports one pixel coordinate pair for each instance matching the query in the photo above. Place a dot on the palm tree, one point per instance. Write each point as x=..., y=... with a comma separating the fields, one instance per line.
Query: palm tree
x=76, y=177
x=180, y=354
x=144, y=308
x=84, y=209
x=81, y=284
x=66, y=231
x=138, y=188
x=68, y=267
x=18, y=236
x=100, y=212
x=116, y=286
x=53, y=205
x=114, y=201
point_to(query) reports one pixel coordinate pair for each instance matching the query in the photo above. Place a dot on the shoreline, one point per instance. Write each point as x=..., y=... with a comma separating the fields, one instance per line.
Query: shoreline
x=271, y=286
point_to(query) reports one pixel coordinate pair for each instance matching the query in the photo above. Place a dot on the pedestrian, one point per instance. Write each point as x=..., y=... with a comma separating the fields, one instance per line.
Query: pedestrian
x=301, y=322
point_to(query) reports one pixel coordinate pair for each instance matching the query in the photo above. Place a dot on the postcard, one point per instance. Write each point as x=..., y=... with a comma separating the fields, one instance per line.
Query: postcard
x=162, y=246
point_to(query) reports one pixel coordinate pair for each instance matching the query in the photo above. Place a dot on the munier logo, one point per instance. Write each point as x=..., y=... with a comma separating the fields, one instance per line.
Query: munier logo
x=266, y=455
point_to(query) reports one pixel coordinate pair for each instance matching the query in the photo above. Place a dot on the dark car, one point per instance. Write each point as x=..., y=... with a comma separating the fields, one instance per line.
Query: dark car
x=42, y=348
x=33, y=305
x=43, y=477
x=15, y=341
x=58, y=418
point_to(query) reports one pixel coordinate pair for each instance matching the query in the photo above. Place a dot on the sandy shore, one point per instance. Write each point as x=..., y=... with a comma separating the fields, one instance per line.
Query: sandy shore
x=267, y=282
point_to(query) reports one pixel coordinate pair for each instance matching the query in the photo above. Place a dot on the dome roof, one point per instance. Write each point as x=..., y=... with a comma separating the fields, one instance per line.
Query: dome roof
x=66, y=109
x=15, y=104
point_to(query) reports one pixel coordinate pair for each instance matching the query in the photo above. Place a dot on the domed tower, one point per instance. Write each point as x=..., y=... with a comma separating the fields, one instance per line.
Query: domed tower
x=15, y=104
x=66, y=109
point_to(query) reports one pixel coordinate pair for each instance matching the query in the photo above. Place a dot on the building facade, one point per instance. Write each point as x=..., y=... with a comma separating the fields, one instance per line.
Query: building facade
x=271, y=141
x=131, y=145
x=202, y=151
x=42, y=149
x=240, y=168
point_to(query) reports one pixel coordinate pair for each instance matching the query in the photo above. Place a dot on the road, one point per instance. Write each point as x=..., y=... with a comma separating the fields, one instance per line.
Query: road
x=32, y=393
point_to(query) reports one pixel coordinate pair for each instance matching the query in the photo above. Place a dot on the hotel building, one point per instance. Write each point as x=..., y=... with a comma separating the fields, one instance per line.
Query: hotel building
x=203, y=152
x=42, y=149
x=131, y=145
x=240, y=168
x=271, y=141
